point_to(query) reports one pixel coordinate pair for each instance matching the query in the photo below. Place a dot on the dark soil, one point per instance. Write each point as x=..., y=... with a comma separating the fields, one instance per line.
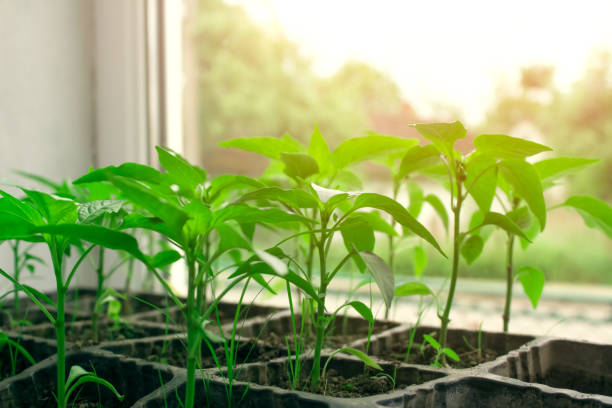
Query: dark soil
x=336, y=337
x=248, y=352
x=426, y=355
x=5, y=363
x=83, y=336
x=363, y=385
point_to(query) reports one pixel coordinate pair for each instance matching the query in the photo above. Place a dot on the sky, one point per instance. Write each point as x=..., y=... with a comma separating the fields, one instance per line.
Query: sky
x=444, y=53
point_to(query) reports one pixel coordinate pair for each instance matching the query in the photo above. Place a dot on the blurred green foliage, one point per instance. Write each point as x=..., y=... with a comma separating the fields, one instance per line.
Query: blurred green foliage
x=254, y=82
x=577, y=122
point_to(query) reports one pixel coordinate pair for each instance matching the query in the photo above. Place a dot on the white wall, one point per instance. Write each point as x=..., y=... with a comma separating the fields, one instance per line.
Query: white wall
x=46, y=99
x=73, y=92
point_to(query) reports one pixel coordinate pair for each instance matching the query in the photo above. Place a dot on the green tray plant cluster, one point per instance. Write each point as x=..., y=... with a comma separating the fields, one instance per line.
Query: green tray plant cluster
x=281, y=233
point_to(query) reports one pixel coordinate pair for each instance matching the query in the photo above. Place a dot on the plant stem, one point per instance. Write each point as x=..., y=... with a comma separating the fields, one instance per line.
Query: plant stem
x=444, y=319
x=60, y=323
x=396, y=186
x=509, y=279
x=192, y=332
x=321, y=320
x=127, y=288
x=95, y=316
x=16, y=275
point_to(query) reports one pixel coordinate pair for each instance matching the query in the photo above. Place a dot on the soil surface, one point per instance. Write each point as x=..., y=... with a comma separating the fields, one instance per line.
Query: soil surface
x=83, y=336
x=335, y=385
x=426, y=355
x=336, y=337
x=248, y=352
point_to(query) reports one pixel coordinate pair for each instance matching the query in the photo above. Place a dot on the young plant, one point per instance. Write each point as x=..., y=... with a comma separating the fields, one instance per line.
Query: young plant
x=55, y=221
x=475, y=175
x=15, y=350
x=440, y=351
x=96, y=206
x=411, y=161
x=190, y=214
x=596, y=214
x=522, y=185
x=335, y=211
x=297, y=165
x=22, y=260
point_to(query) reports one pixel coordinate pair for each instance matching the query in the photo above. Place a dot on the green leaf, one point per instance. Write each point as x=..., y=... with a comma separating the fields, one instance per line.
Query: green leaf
x=229, y=238
x=494, y=218
x=378, y=223
x=13, y=227
x=40, y=295
x=96, y=235
x=164, y=258
x=417, y=158
x=56, y=210
x=273, y=262
x=521, y=217
x=294, y=198
x=92, y=210
x=329, y=196
x=450, y=353
x=434, y=343
x=398, y=212
x=153, y=202
x=472, y=248
x=222, y=185
x=367, y=360
x=246, y=214
x=507, y=147
x=382, y=274
x=412, y=289
x=560, y=166
x=419, y=260
x=347, y=180
x=443, y=135
x=75, y=372
x=151, y=223
x=267, y=146
x=438, y=207
x=362, y=148
x=481, y=180
x=357, y=232
x=319, y=150
x=416, y=199
x=299, y=165
x=22, y=209
x=532, y=280
x=525, y=183
x=135, y=171
x=596, y=213
x=92, y=378
x=180, y=172
x=531, y=232
x=363, y=310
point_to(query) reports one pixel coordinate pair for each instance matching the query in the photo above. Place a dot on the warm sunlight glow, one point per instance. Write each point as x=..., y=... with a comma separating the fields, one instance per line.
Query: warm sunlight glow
x=443, y=53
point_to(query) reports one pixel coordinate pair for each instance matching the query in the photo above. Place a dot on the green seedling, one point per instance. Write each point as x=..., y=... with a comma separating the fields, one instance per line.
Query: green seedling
x=23, y=259
x=367, y=360
x=194, y=216
x=96, y=206
x=440, y=351
x=296, y=165
x=358, y=235
x=475, y=176
x=54, y=220
x=15, y=350
x=403, y=174
x=79, y=376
